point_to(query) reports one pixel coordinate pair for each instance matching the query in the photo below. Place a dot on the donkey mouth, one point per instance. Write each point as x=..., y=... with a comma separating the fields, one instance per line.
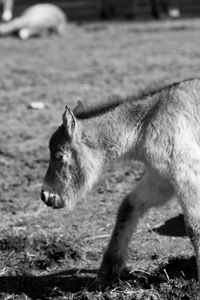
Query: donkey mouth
x=52, y=200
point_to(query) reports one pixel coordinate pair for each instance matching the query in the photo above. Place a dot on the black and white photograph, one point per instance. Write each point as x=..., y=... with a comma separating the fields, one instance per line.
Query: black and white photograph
x=100, y=150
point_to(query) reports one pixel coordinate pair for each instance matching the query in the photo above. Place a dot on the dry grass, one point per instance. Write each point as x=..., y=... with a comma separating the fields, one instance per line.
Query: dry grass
x=48, y=254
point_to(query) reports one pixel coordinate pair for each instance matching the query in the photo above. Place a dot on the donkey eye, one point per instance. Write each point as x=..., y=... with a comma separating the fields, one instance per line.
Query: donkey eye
x=58, y=156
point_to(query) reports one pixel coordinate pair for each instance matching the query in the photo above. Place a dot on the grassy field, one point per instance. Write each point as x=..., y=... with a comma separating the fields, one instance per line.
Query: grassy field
x=47, y=254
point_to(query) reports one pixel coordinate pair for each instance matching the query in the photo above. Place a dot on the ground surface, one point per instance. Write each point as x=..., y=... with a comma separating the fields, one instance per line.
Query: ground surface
x=47, y=254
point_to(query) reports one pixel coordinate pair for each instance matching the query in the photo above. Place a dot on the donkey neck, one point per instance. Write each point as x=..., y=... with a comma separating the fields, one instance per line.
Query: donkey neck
x=116, y=132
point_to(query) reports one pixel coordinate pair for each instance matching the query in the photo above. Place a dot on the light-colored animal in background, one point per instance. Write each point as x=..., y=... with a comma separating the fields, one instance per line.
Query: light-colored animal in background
x=36, y=20
x=162, y=130
x=7, y=9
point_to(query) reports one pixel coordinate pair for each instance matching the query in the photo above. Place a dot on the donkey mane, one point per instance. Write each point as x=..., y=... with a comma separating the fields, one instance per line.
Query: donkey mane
x=112, y=103
x=97, y=110
x=115, y=101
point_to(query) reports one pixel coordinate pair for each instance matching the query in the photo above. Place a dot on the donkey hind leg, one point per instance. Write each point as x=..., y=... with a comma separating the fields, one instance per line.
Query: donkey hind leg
x=188, y=190
x=152, y=190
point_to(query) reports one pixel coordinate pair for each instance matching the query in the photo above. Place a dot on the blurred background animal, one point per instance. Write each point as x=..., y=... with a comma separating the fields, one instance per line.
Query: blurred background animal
x=7, y=9
x=37, y=20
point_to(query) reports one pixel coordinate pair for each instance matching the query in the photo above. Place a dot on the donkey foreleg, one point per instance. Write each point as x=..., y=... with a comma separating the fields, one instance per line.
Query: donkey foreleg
x=152, y=190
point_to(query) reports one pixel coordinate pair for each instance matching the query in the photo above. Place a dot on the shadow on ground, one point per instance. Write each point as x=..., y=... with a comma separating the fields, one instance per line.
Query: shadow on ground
x=41, y=287
x=173, y=227
x=75, y=281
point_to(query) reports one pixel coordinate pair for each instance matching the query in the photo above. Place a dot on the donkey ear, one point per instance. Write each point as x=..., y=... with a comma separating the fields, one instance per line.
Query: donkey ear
x=69, y=121
x=79, y=108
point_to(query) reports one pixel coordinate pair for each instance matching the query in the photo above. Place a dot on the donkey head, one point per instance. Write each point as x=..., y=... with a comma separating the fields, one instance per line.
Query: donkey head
x=72, y=167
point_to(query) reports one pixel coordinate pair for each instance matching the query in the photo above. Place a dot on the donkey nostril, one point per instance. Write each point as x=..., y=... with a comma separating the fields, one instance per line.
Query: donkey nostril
x=44, y=196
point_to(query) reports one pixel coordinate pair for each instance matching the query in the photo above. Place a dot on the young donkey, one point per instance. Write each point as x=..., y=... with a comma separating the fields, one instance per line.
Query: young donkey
x=36, y=20
x=162, y=130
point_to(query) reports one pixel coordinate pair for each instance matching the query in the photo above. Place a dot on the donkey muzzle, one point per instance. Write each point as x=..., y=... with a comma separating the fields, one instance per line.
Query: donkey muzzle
x=52, y=200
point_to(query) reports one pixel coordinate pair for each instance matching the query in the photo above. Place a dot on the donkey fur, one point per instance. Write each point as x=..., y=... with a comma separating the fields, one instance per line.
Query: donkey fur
x=162, y=130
